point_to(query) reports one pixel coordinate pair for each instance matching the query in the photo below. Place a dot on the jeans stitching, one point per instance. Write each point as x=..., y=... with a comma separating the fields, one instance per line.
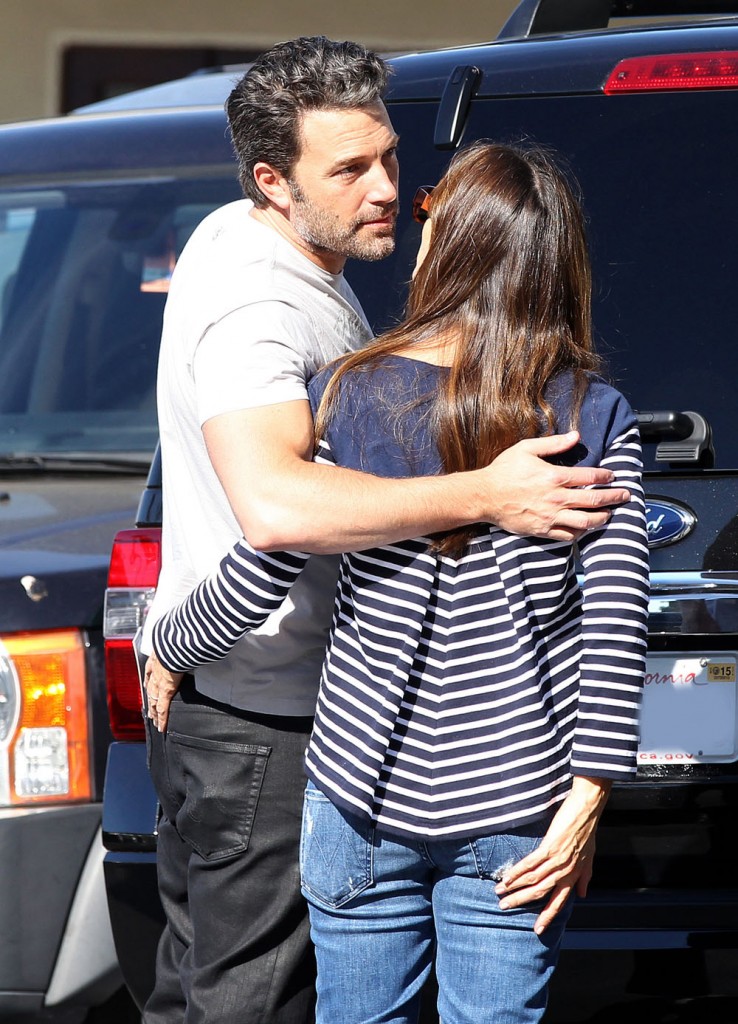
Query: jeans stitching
x=351, y=849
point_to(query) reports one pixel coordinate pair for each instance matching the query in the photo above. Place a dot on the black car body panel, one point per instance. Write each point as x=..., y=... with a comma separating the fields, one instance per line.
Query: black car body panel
x=152, y=141
x=58, y=532
x=657, y=175
x=130, y=816
x=90, y=210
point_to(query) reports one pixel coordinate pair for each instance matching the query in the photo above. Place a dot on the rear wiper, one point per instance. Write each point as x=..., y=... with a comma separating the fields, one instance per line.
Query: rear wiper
x=63, y=462
x=681, y=438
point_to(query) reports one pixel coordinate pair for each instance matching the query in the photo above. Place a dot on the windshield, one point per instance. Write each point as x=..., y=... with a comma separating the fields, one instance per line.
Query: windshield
x=84, y=272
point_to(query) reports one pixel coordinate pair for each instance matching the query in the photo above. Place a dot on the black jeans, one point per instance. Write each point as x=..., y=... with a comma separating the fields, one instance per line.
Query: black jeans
x=236, y=947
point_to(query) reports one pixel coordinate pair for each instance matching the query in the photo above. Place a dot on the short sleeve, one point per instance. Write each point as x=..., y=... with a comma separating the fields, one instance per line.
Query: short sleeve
x=254, y=356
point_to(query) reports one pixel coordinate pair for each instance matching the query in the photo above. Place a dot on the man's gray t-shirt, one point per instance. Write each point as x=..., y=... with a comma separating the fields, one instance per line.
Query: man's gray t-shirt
x=249, y=319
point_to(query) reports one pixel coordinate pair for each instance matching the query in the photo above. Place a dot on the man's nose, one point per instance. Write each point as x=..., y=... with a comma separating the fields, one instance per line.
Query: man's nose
x=383, y=189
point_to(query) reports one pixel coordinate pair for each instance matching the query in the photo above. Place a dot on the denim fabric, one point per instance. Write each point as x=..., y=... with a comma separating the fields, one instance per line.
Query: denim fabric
x=236, y=947
x=380, y=907
x=209, y=790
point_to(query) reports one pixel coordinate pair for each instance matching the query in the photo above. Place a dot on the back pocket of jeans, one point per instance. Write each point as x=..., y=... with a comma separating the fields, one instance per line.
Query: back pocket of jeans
x=222, y=783
x=495, y=855
x=335, y=852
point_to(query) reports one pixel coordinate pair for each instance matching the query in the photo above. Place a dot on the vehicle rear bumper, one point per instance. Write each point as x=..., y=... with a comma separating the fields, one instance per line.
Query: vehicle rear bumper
x=57, y=945
x=654, y=919
x=130, y=813
x=136, y=918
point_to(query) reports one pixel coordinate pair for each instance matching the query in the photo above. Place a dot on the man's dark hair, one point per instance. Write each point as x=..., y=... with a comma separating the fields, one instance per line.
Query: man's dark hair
x=310, y=73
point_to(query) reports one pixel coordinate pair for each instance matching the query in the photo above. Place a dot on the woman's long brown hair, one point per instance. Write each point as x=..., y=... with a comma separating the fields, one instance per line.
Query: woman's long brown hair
x=507, y=277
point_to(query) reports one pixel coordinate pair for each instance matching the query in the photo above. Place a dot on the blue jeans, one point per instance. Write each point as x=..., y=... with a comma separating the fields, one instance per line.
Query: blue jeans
x=381, y=908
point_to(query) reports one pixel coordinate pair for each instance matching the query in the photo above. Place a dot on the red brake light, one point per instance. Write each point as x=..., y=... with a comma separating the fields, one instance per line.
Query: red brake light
x=136, y=558
x=124, y=691
x=671, y=71
x=134, y=570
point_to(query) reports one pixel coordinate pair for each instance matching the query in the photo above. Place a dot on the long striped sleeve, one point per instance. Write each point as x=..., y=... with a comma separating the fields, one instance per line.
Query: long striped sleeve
x=614, y=621
x=245, y=589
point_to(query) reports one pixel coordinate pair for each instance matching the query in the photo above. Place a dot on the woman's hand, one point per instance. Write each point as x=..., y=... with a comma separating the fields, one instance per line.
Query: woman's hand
x=563, y=861
x=161, y=686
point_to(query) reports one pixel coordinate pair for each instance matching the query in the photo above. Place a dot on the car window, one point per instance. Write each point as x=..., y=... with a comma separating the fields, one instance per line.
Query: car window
x=16, y=222
x=84, y=272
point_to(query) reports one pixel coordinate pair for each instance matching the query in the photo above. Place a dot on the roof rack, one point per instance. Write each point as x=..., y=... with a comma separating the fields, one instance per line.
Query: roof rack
x=547, y=17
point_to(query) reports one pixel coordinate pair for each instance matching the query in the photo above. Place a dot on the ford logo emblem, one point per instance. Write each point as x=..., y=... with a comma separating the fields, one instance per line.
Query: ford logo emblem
x=667, y=522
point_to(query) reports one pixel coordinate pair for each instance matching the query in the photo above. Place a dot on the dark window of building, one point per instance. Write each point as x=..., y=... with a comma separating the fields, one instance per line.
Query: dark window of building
x=92, y=73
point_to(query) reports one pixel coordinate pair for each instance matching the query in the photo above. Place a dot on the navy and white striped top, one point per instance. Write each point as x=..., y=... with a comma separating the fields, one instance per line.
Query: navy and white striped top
x=458, y=695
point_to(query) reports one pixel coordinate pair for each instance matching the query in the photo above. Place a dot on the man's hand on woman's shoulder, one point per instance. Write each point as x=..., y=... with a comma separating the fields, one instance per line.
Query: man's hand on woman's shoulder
x=532, y=497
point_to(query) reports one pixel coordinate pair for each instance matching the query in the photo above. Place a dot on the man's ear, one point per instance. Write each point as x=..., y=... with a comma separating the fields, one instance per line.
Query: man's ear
x=273, y=185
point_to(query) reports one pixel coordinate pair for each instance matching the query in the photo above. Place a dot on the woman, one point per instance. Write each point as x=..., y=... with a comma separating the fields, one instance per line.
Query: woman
x=475, y=702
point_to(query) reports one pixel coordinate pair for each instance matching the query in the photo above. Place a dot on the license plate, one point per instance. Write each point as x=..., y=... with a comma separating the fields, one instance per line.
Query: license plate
x=689, y=707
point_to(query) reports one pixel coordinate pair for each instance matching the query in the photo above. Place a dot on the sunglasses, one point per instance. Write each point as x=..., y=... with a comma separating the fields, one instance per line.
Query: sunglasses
x=421, y=203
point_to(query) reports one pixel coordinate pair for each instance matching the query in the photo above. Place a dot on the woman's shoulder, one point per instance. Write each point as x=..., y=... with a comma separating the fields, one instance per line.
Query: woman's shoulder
x=604, y=415
x=606, y=400
x=598, y=392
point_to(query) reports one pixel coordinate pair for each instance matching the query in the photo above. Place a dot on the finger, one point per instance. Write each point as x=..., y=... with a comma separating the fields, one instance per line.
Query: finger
x=527, y=894
x=583, y=883
x=598, y=498
x=575, y=521
x=162, y=711
x=552, y=908
x=563, y=533
x=152, y=695
x=553, y=444
x=526, y=872
x=162, y=716
x=538, y=883
x=513, y=900
x=551, y=871
x=583, y=476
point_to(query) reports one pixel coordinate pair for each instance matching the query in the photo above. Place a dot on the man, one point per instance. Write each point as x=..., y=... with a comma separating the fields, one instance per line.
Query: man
x=257, y=303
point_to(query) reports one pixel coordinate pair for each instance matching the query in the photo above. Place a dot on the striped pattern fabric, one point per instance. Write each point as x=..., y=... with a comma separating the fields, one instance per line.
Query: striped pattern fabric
x=459, y=696
x=248, y=586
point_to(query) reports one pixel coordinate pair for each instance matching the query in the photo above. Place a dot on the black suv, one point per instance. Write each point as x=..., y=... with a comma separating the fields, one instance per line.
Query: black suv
x=93, y=211
x=643, y=116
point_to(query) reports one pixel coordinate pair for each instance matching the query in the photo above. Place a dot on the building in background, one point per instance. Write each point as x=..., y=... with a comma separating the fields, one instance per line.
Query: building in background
x=55, y=56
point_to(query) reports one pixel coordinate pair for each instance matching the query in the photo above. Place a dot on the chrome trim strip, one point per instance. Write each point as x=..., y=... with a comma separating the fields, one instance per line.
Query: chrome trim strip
x=684, y=603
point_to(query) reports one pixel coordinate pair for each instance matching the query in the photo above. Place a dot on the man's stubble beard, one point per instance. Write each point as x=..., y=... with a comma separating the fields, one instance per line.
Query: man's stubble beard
x=322, y=233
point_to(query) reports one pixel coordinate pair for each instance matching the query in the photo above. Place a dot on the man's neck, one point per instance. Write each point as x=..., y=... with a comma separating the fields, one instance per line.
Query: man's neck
x=276, y=220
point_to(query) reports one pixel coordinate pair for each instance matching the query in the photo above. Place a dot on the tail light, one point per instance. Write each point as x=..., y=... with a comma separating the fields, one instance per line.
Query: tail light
x=132, y=577
x=44, y=751
x=715, y=70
